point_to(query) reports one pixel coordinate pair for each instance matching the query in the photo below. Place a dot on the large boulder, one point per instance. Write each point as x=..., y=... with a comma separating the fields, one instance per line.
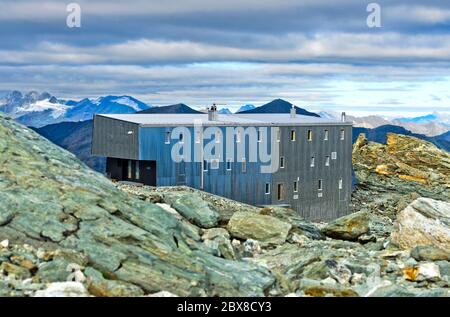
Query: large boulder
x=192, y=207
x=424, y=222
x=265, y=229
x=349, y=227
x=50, y=199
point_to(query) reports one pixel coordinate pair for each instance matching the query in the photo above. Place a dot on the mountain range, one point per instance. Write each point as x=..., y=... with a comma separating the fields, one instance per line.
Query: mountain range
x=40, y=109
x=280, y=106
x=430, y=125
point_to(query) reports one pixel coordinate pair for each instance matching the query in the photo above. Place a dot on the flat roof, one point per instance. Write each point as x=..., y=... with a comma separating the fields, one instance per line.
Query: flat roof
x=250, y=119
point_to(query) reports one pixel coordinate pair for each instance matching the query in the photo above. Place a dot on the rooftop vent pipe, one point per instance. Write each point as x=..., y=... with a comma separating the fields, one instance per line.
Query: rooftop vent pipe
x=343, y=117
x=212, y=113
x=293, y=112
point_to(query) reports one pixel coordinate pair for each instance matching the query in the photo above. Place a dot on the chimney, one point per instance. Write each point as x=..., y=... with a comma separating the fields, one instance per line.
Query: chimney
x=343, y=118
x=293, y=112
x=212, y=113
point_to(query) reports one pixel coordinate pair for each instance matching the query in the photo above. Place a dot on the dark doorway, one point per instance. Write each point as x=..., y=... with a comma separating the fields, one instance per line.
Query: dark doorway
x=148, y=172
x=132, y=170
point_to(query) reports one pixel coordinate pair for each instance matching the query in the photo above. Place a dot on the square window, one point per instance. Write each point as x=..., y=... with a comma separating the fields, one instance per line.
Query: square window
x=310, y=135
x=167, y=140
x=218, y=136
x=130, y=173
x=293, y=135
x=325, y=135
x=342, y=134
x=280, y=191
x=136, y=170
x=214, y=164
x=327, y=161
x=267, y=189
x=229, y=161
x=313, y=161
x=333, y=155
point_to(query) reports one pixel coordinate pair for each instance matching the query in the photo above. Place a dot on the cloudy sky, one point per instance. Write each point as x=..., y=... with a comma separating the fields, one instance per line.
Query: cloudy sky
x=318, y=54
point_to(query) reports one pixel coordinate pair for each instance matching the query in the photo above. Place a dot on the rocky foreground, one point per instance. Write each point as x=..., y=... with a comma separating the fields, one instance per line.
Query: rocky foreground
x=68, y=231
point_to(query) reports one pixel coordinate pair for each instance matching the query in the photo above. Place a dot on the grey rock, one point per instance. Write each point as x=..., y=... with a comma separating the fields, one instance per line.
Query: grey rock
x=349, y=227
x=194, y=208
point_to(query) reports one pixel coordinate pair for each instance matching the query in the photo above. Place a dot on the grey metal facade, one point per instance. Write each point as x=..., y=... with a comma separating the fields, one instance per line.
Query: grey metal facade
x=146, y=143
x=116, y=138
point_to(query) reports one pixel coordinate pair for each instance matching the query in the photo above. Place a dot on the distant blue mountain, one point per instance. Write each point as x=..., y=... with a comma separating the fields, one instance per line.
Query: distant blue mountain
x=86, y=108
x=245, y=108
x=76, y=137
x=40, y=109
x=379, y=135
x=178, y=108
x=280, y=106
x=224, y=111
x=422, y=119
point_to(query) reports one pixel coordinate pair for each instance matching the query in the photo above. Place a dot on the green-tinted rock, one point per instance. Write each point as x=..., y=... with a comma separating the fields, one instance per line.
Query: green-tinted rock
x=430, y=253
x=218, y=239
x=349, y=227
x=322, y=289
x=265, y=229
x=194, y=208
x=101, y=287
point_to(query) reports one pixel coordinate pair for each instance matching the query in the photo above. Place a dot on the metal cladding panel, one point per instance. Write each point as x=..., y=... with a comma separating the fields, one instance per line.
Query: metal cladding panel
x=311, y=202
x=115, y=138
x=247, y=187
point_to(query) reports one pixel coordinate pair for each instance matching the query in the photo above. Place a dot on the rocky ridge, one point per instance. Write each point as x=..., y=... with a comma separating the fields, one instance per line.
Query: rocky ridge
x=68, y=231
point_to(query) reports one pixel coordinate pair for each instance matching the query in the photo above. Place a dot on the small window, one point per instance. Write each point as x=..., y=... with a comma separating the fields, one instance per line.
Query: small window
x=205, y=165
x=198, y=136
x=167, y=137
x=182, y=168
x=267, y=189
x=229, y=161
x=137, y=172
x=214, y=164
x=296, y=187
x=293, y=135
x=341, y=183
x=313, y=161
x=259, y=136
x=342, y=134
x=218, y=136
x=282, y=162
x=310, y=135
x=278, y=135
x=130, y=173
x=320, y=184
x=325, y=135
x=333, y=155
x=327, y=161
x=280, y=191
x=244, y=165
x=238, y=136
x=181, y=137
